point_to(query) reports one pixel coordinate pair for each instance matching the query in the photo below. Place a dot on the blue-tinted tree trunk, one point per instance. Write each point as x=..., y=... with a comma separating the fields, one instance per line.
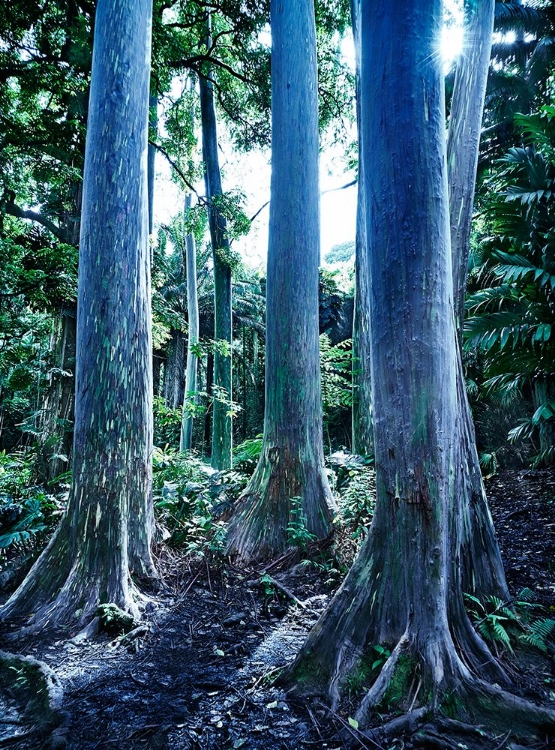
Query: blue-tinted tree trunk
x=290, y=472
x=153, y=127
x=363, y=427
x=403, y=592
x=481, y=566
x=107, y=527
x=186, y=438
x=222, y=386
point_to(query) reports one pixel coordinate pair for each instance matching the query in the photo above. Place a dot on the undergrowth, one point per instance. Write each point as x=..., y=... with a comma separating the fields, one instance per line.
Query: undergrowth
x=508, y=624
x=26, y=508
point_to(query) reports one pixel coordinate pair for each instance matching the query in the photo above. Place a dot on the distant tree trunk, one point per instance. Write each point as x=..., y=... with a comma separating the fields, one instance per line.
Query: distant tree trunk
x=221, y=419
x=107, y=527
x=208, y=389
x=363, y=427
x=158, y=360
x=291, y=464
x=174, y=372
x=59, y=403
x=403, y=592
x=482, y=568
x=463, y=142
x=186, y=439
x=153, y=127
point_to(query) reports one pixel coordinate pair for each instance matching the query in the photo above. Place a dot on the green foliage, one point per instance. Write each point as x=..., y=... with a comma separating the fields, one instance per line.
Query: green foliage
x=247, y=453
x=341, y=253
x=383, y=655
x=25, y=508
x=510, y=623
x=189, y=500
x=114, y=619
x=352, y=479
x=167, y=423
x=511, y=321
x=356, y=487
x=336, y=367
x=297, y=533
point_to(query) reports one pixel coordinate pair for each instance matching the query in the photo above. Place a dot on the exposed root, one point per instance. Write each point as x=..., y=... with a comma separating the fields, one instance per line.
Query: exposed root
x=438, y=693
x=36, y=689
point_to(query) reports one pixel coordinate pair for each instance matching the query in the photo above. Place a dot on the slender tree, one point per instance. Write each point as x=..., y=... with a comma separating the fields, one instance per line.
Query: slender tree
x=404, y=591
x=153, y=127
x=186, y=438
x=291, y=465
x=221, y=418
x=107, y=527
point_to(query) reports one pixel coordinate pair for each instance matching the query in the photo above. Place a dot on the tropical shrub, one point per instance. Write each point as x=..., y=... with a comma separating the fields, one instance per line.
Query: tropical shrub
x=511, y=311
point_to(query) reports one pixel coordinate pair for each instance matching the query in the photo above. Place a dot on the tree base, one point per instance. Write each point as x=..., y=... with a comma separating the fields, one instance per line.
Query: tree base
x=432, y=688
x=287, y=503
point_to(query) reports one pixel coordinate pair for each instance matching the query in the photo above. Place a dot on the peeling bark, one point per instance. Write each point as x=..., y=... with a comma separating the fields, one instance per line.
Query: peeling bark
x=480, y=558
x=108, y=524
x=292, y=461
x=404, y=590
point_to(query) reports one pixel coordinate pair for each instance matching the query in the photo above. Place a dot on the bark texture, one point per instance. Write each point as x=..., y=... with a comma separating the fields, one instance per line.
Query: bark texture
x=186, y=438
x=363, y=427
x=221, y=419
x=290, y=472
x=153, y=125
x=482, y=568
x=107, y=527
x=404, y=590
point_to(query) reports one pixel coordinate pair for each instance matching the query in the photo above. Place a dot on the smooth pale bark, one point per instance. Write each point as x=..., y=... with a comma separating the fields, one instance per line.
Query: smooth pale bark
x=482, y=568
x=153, y=124
x=291, y=464
x=186, y=438
x=403, y=591
x=363, y=427
x=221, y=418
x=107, y=527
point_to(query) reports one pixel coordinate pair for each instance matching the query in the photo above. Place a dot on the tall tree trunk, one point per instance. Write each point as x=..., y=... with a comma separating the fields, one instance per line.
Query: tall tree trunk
x=403, y=592
x=482, y=566
x=291, y=464
x=153, y=128
x=186, y=439
x=221, y=419
x=463, y=143
x=363, y=427
x=59, y=403
x=108, y=523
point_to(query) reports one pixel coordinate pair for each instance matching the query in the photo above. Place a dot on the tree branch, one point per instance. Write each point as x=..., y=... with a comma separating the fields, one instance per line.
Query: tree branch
x=178, y=170
x=9, y=207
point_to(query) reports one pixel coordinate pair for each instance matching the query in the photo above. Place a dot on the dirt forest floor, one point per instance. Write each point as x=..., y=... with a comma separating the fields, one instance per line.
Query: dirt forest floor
x=198, y=673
